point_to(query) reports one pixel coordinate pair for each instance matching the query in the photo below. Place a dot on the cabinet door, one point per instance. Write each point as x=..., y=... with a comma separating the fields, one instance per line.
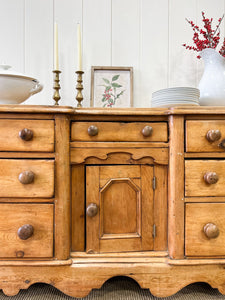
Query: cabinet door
x=119, y=202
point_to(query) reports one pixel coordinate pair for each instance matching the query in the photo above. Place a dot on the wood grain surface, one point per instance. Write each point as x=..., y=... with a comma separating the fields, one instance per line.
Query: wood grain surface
x=196, y=132
x=118, y=131
x=195, y=185
x=42, y=186
x=176, y=188
x=43, y=135
x=196, y=241
x=40, y=244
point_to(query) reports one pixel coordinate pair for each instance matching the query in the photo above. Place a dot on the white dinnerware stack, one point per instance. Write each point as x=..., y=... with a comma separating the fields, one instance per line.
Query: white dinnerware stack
x=177, y=96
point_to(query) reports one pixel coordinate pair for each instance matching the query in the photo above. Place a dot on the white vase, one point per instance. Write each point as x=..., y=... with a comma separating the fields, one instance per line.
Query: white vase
x=212, y=83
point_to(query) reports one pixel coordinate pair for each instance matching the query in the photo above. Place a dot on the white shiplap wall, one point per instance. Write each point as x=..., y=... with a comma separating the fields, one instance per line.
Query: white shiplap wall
x=145, y=34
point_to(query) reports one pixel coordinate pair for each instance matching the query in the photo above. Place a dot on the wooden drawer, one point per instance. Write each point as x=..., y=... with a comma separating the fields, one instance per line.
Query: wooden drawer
x=16, y=240
x=14, y=138
x=204, y=178
x=26, y=178
x=205, y=229
x=200, y=136
x=115, y=131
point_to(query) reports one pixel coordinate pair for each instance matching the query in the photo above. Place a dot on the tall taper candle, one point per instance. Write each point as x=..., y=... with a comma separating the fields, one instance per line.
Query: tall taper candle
x=79, y=50
x=56, y=51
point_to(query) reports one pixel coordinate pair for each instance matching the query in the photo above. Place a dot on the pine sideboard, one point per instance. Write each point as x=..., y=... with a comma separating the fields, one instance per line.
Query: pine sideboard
x=88, y=194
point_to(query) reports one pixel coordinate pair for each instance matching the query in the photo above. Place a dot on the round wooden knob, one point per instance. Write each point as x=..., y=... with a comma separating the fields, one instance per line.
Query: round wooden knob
x=213, y=135
x=26, y=134
x=222, y=144
x=92, y=130
x=211, y=177
x=92, y=210
x=211, y=231
x=147, y=131
x=26, y=177
x=25, y=231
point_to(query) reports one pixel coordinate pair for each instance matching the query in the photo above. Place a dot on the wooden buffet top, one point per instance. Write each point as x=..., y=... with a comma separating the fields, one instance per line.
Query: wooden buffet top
x=113, y=111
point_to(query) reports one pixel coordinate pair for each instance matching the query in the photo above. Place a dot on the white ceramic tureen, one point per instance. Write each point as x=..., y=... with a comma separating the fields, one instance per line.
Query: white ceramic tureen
x=15, y=87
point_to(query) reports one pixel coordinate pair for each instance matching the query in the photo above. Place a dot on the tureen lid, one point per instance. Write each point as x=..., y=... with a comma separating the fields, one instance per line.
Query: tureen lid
x=5, y=70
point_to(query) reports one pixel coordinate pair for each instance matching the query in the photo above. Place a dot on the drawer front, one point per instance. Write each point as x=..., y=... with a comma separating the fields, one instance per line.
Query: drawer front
x=205, y=229
x=26, y=230
x=205, y=136
x=27, y=135
x=204, y=178
x=26, y=178
x=114, y=131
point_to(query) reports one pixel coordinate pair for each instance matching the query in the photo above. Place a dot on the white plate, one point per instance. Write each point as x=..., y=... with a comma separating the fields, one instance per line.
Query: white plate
x=175, y=104
x=175, y=95
x=178, y=90
x=194, y=99
x=174, y=100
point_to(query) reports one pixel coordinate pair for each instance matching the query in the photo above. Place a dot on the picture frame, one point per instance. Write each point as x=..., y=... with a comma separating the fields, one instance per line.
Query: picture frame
x=111, y=86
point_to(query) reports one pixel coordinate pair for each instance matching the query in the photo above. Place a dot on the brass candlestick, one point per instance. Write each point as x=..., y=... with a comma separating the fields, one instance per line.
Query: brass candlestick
x=79, y=88
x=56, y=86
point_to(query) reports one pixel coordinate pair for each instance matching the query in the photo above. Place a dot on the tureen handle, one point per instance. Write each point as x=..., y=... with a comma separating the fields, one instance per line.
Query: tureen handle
x=36, y=89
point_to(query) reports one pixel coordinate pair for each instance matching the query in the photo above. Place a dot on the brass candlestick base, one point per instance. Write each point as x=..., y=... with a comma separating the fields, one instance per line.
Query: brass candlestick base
x=79, y=88
x=56, y=86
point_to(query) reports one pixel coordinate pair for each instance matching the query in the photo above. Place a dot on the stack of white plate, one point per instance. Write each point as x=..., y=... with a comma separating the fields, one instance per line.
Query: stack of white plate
x=177, y=96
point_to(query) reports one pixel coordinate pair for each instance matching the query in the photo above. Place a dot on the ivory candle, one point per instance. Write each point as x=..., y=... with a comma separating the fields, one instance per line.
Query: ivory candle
x=79, y=50
x=56, y=50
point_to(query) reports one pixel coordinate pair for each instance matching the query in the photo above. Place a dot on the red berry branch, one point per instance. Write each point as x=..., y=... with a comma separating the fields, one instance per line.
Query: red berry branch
x=207, y=37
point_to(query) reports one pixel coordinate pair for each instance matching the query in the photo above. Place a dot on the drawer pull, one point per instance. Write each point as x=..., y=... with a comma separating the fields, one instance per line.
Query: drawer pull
x=147, y=131
x=211, y=177
x=25, y=231
x=92, y=210
x=26, y=134
x=211, y=231
x=92, y=130
x=26, y=177
x=222, y=144
x=213, y=135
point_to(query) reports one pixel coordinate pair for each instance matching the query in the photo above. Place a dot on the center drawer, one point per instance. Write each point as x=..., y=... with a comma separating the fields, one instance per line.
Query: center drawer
x=26, y=178
x=119, y=131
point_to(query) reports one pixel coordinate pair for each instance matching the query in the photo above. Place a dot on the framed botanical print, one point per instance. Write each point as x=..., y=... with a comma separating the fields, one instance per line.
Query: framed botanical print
x=111, y=87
